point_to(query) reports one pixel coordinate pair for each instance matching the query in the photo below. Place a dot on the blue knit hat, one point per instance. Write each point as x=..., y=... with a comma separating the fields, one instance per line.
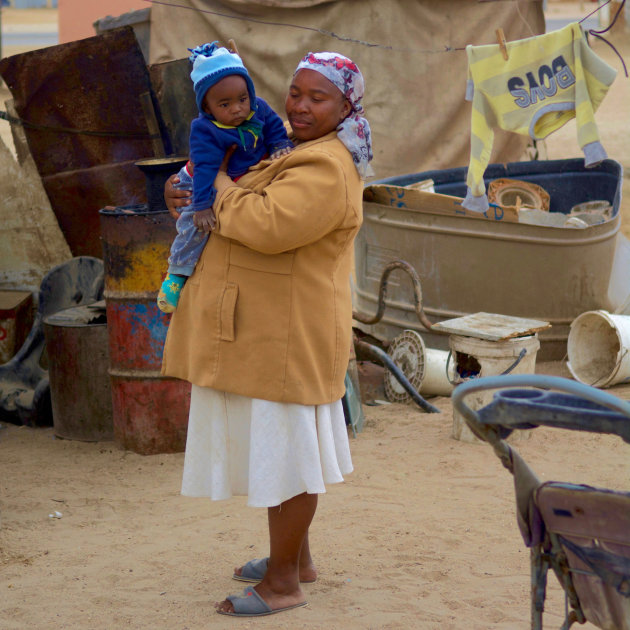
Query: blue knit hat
x=210, y=64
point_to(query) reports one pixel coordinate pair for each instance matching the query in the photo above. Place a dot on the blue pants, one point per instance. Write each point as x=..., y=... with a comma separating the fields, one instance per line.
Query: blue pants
x=189, y=242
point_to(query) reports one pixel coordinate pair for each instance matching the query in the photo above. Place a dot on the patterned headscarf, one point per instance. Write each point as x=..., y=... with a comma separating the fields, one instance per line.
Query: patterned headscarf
x=354, y=130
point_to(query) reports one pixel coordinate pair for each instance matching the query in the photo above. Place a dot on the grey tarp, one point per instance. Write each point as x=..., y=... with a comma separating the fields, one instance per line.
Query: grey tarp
x=415, y=87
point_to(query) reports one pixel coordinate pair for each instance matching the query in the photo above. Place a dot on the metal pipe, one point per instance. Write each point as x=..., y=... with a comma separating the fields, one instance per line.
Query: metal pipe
x=417, y=294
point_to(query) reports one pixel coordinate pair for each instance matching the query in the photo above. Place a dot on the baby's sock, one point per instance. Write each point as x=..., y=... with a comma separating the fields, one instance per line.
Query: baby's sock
x=169, y=292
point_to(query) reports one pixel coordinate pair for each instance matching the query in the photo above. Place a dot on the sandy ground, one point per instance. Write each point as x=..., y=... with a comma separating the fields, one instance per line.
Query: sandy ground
x=421, y=535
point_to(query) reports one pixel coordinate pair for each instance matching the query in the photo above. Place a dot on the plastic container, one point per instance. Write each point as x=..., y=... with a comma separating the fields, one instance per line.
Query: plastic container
x=599, y=349
x=476, y=358
x=467, y=265
x=425, y=368
x=435, y=381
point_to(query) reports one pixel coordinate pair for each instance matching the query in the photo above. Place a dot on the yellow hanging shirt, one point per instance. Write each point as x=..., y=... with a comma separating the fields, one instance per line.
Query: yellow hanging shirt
x=546, y=81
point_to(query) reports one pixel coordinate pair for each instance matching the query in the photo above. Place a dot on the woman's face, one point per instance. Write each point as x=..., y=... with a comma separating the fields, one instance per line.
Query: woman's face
x=314, y=105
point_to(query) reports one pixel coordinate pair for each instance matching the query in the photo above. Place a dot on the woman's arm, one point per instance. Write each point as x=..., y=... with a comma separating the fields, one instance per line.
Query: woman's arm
x=306, y=200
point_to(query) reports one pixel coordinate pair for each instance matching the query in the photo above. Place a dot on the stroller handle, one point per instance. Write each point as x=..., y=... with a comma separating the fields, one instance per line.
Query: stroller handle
x=542, y=382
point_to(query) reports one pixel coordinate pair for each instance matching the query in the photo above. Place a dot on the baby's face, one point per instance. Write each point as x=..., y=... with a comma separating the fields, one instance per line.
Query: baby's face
x=228, y=100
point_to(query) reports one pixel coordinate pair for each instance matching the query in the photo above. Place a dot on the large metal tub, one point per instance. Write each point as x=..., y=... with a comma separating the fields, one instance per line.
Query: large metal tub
x=468, y=265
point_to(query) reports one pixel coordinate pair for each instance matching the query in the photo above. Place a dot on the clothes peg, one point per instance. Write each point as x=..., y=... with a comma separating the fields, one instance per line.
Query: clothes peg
x=501, y=42
x=232, y=46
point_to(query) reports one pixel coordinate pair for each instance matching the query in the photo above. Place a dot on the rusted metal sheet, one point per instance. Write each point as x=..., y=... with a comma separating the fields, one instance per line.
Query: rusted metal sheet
x=91, y=84
x=77, y=347
x=81, y=104
x=150, y=412
x=78, y=195
x=176, y=97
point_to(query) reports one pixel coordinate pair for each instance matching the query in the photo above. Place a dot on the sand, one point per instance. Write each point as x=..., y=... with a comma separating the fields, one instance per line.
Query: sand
x=421, y=535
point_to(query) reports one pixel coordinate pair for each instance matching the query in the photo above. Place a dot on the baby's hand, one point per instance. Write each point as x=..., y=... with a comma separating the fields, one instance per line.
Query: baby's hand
x=280, y=152
x=205, y=220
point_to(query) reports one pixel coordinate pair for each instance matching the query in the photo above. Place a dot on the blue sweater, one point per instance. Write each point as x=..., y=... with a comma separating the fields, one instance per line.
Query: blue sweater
x=209, y=142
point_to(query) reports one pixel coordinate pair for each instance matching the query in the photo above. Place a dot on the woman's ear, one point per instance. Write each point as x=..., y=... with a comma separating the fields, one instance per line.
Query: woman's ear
x=345, y=109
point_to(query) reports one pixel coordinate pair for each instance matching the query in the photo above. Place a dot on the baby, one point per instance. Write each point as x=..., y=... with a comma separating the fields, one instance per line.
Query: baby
x=230, y=114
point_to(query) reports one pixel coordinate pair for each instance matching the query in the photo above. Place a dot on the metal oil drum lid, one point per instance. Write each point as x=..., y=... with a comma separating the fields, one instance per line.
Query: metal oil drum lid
x=85, y=315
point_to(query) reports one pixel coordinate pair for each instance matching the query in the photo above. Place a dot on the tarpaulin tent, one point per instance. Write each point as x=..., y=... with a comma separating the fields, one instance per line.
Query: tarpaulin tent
x=411, y=53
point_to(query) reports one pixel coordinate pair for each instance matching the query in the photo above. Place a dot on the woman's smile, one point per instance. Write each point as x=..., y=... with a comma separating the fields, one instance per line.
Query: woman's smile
x=302, y=123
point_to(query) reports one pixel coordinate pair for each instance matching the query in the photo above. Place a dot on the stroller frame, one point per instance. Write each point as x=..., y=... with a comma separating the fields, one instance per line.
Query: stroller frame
x=568, y=527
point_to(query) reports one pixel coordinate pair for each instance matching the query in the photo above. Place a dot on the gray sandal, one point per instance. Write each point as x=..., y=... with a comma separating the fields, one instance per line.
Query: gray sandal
x=252, y=571
x=251, y=604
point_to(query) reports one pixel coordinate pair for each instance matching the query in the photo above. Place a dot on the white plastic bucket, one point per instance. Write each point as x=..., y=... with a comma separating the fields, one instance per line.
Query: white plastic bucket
x=435, y=381
x=491, y=359
x=599, y=349
x=425, y=368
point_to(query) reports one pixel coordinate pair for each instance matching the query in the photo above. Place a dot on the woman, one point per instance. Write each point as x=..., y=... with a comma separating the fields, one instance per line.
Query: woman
x=263, y=328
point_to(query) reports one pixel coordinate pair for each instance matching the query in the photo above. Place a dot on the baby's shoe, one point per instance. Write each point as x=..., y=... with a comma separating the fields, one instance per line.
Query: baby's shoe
x=169, y=292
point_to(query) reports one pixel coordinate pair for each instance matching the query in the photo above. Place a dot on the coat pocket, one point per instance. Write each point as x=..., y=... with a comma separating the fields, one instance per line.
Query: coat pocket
x=255, y=261
x=228, y=311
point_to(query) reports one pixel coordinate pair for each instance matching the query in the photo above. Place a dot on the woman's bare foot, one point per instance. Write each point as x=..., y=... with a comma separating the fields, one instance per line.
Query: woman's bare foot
x=308, y=572
x=275, y=598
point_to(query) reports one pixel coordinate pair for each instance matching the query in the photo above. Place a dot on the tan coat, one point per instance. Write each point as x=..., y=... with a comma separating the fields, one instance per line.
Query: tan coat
x=267, y=312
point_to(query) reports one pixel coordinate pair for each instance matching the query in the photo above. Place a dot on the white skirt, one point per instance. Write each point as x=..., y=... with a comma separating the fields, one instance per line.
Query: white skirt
x=267, y=451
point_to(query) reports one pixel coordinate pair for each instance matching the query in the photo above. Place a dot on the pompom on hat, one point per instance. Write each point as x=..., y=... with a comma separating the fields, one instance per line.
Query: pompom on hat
x=212, y=63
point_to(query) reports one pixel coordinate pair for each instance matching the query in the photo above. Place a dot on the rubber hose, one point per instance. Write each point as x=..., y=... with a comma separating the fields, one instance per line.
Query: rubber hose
x=381, y=356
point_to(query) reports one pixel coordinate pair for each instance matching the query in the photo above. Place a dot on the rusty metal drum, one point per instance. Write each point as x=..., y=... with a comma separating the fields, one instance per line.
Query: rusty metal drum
x=150, y=412
x=78, y=361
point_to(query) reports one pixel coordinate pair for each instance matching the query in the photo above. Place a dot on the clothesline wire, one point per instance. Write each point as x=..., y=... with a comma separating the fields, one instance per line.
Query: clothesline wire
x=599, y=34
x=352, y=40
x=599, y=8
x=142, y=136
x=321, y=31
x=531, y=30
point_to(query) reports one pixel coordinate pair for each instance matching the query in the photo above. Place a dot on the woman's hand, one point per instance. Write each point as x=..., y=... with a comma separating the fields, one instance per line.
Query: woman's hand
x=174, y=197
